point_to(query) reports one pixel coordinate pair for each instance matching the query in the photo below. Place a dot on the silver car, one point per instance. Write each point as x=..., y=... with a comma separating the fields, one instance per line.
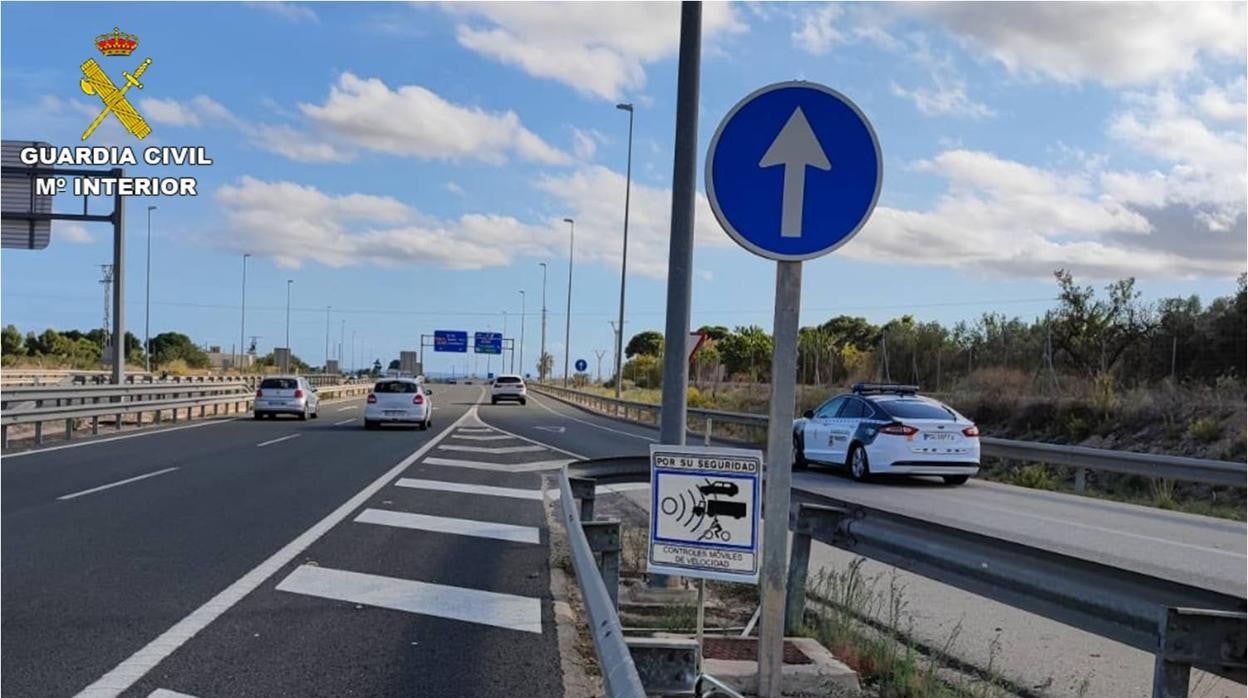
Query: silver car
x=286, y=395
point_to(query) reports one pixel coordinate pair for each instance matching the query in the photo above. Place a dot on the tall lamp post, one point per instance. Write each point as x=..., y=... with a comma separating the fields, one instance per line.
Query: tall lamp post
x=541, y=359
x=521, y=331
x=567, y=328
x=147, y=311
x=289, y=283
x=628, y=181
x=242, y=322
x=325, y=368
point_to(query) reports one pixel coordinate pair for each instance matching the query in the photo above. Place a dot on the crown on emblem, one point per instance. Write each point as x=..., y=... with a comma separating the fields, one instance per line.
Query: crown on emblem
x=117, y=44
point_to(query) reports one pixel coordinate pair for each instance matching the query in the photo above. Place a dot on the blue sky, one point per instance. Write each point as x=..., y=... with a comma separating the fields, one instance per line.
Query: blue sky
x=410, y=165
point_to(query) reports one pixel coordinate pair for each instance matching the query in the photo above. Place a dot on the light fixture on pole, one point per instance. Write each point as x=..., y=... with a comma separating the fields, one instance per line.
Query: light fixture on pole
x=541, y=359
x=628, y=180
x=147, y=311
x=522, y=331
x=567, y=328
x=242, y=329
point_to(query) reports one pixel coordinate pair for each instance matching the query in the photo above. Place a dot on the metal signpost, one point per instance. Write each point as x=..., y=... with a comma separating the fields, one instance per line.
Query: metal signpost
x=26, y=223
x=704, y=516
x=793, y=172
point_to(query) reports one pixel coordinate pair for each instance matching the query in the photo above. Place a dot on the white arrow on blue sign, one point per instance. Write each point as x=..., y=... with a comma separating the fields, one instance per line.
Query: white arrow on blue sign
x=793, y=171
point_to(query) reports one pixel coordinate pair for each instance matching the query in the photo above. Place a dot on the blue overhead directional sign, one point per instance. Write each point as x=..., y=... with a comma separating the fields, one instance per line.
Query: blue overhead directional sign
x=450, y=340
x=793, y=171
x=487, y=342
x=581, y=364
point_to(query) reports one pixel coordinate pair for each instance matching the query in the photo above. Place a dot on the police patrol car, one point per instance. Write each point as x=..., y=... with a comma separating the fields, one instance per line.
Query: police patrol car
x=886, y=429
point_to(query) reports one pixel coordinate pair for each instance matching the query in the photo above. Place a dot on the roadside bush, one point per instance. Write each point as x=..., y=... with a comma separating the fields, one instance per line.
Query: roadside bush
x=1035, y=476
x=1205, y=430
x=176, y=367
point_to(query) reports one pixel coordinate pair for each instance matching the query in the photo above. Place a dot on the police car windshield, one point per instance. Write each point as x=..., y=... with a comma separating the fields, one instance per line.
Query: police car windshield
x=915, y=409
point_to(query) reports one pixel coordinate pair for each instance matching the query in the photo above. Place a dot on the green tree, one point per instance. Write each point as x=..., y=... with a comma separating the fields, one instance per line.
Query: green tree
x=171, y=346
x=714, y=332
x=1092, y=332
x=297, y=364
x=747, y=351
x=648, y=343
x=544, y=364
x=394, y=365
x=11, y=341
x=376, y=367
x=645, y=371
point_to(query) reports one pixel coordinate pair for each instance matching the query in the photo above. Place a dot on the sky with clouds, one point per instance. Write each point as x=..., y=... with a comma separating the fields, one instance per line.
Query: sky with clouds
x=409, y=166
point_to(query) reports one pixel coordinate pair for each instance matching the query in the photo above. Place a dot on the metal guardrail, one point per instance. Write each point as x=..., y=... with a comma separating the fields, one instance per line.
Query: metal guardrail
x=1180, y=468
x=37, y=404
x=1183, y=626
x=619, y=674
x=29, y=377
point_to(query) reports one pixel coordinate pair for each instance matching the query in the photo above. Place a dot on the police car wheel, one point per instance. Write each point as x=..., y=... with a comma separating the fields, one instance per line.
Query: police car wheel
x=859, y=465
x=799, y=454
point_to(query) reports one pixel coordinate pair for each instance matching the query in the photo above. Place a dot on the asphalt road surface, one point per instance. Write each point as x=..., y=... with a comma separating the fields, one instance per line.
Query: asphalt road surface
x=282, y=558
x=1197, y=550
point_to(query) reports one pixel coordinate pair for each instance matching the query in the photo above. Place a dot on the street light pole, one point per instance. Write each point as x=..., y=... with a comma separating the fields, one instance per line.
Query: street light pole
x=147, y=312
x=567, y=329
x=541, y=359
x=288, y=284
x=628, y=180
x=242, y=329
x=521, y=332
x=325, y=368
x=501, y=356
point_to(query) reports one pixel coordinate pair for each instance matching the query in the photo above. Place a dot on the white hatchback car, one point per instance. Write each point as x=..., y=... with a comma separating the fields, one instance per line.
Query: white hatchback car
x=885, y=429
x=399, y=401
x=508, y=387
x=286, y=395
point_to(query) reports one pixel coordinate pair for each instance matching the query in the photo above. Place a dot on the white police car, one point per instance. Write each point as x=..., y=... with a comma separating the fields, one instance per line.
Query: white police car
x=886, y=429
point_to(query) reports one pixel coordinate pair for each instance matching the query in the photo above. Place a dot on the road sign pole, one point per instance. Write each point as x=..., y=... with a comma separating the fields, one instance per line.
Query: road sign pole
x=119, y=283
x=680, y=251
x=778, y=477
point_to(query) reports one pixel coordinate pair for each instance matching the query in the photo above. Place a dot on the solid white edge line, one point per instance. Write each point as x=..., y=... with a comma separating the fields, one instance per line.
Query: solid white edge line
x=118, y=483
x=345, y=421
x=288, y=437
x=543, y=405
x=124, y=675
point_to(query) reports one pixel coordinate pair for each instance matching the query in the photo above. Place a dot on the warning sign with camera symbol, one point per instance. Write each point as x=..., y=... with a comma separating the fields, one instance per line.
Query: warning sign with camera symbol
x=704, y=513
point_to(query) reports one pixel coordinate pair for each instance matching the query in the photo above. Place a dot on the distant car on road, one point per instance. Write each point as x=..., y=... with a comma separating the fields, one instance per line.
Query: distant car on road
x=286, y=395
x=887, y=429
x=399, y=401
x=508, y=387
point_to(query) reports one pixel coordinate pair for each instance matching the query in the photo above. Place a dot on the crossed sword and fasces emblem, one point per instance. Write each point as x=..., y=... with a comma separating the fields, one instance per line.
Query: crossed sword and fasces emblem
x=96, y=82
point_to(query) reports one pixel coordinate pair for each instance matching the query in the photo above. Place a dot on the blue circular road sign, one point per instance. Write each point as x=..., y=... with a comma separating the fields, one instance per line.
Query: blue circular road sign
x=581, y=364
x=794, y=171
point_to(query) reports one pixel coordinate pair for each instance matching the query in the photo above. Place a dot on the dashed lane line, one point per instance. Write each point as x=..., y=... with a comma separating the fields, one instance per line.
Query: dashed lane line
x=465, y=488
x=117, y=484
x=459, y=527
x=348, y=407
x=345, y=421
x=457, y=603
x=280, y=439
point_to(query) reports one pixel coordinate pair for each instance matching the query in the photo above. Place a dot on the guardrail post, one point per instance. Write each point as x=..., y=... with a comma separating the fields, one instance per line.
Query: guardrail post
x=604, y=538
x=809, y=521
x=706, y=436
x=69, y=430
x=38, y=433
x=583, y=489
x=4, y=436
x=95, y=425
x=1197, y=636
x=1081, y=480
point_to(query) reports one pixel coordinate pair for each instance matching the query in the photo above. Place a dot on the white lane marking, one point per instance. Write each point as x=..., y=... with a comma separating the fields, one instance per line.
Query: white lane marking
x=165, y=693
x=348, y=407
x=591, y=424
x=1101, y=529
x=472, y=437
x=345, y=421
x=288, y=437
x=460, y=527
x=476, y=430
x=547, y=446
x=124, y=675
x=553, y=430
x=472, y=605
x=486, y=449
x=622, y=487
x=118, y=483
x=465, y=488
x=498, y=467
x=143, y=432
